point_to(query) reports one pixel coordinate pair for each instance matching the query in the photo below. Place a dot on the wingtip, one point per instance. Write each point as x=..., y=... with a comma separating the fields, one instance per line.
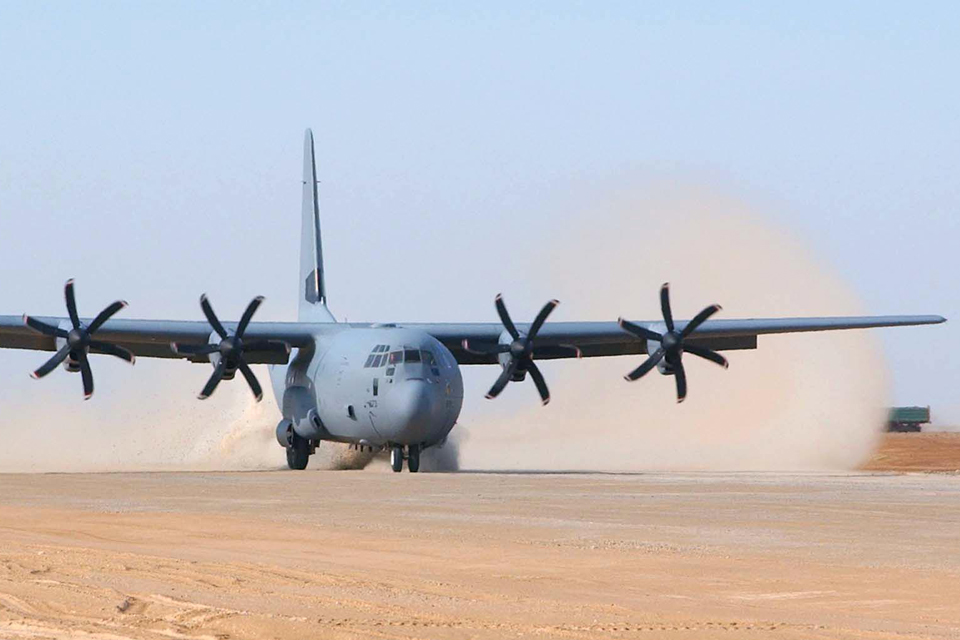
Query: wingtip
x=33, y=374
x=200, y=396
x=26, y=320
x=628, y=378
x=545, y=402
x=489, y=397
x=87, y=396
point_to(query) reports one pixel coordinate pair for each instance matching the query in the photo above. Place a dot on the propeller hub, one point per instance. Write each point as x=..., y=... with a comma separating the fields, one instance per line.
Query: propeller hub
x=672, y=342
x=78, y=339
x=230, y=347
x=520, y=348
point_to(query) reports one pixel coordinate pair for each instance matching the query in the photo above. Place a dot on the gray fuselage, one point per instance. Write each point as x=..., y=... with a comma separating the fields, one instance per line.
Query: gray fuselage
x=378, y=386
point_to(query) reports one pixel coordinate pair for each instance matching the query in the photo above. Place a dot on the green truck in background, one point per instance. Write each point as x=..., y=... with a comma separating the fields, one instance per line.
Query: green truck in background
x=904, y=419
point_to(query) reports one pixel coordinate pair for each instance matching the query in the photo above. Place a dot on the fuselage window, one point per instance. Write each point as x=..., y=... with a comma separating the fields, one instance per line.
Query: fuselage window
x=411, y=355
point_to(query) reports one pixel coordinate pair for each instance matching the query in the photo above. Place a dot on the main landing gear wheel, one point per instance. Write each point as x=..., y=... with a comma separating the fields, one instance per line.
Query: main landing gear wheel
x=413, y=458
x=396, y=458
x=298, y=453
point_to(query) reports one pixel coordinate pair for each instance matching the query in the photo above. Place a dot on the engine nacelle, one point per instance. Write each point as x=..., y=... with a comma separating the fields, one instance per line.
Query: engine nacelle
x=663, y=367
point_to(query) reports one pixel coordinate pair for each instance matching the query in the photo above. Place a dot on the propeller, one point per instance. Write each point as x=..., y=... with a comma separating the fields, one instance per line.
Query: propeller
x=672, y=343
x=231, y=349
x=520, y=350
x=78, y=342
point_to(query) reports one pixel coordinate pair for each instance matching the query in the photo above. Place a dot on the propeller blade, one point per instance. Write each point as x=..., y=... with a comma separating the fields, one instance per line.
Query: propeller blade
x=484, y=349
x=647, y=365
x=639, y=331
x=665, y=305
x=699, y=319
x=87, y=375
x=502, y=380
x=52, y=363
x=272, y=346
x=248, y=314
x=194, y=349
x=113, y=350
x=105, y=315
x=214, y=380
x=505, y=317
x=681, y=377
x=251, y=380
x=541, y=318
x=540, y=382
x=706, y=354
x=212, y=317
x=71, y=303
x=44, y=328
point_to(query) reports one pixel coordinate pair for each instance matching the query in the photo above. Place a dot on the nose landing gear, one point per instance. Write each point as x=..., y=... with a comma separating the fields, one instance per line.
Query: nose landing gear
x=298, y=453
x=412, y=457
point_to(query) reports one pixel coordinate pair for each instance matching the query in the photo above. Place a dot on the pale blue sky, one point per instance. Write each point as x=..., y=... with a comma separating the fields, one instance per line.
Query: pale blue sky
x=152, y=150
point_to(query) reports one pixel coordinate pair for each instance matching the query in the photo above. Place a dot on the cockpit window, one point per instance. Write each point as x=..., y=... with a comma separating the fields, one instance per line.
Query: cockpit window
x=396, y=357
x=411, y=355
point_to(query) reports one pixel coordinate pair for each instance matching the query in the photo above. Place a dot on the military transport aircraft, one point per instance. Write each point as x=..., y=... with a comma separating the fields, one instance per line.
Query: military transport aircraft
x=391, y=385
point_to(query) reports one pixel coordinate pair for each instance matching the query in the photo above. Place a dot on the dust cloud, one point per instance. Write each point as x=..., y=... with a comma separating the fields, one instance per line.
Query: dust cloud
x=813, y=401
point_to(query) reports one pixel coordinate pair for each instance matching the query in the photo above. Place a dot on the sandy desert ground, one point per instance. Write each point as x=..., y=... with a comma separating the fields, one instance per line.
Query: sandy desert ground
x=347, y=554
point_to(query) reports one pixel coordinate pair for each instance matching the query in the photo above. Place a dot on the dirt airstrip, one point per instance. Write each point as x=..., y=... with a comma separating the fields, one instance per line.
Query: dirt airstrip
x=350, y=554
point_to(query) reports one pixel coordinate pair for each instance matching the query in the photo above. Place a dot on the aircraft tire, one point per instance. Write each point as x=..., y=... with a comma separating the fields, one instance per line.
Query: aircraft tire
x=298, y=454
x=396, y=458
x=413, y=458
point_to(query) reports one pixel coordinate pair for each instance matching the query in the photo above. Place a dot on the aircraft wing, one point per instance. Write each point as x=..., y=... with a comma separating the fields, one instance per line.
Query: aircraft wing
x=594, y=339
x=152, y=338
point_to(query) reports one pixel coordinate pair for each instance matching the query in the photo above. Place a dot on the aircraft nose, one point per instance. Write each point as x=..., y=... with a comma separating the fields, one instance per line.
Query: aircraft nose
x=412, y=405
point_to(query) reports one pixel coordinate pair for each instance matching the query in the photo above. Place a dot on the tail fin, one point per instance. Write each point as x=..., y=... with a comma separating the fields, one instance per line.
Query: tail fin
x=313, y=293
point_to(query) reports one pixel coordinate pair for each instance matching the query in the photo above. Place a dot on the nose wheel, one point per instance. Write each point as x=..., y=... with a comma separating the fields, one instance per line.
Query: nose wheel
x=397, y=457
x=298, y=453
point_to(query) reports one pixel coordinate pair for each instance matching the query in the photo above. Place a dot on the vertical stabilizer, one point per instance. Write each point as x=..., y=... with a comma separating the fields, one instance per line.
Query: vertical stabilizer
x=313, y=294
